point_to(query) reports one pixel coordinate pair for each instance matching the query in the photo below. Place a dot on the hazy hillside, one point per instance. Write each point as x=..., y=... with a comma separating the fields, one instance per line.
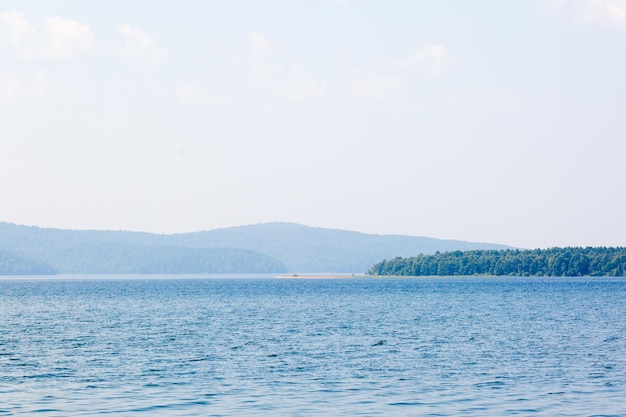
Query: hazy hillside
x=15, y=265
x=313, y=249
x=262, y=248
x=33, y=250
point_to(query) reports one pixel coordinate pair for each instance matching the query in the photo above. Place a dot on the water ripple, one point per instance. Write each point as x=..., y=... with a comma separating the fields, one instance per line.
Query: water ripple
x=436, y=347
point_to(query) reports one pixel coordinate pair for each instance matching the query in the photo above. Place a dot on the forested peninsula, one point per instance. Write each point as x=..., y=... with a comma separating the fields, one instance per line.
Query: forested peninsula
x=589, y=261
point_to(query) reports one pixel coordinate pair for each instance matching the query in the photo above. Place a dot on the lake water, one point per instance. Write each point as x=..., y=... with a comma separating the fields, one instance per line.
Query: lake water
x=300, y=347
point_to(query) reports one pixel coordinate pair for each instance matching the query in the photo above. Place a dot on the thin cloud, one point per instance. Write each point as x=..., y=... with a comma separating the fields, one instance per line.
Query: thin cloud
x=432, y=56
x=141, y=51
x=610, y=14
x=53, y=38
x=14, y=87
x=259, y=43
x=292, y=83
x=189, y=93
x=375, y=86
x=300, y=86
x=259, y=65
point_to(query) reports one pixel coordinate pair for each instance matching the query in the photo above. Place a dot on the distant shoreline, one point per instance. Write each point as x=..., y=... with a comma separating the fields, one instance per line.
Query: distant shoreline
x=317, y=276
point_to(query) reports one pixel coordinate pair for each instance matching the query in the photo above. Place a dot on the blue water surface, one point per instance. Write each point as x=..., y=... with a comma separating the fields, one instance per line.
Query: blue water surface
x=299, y=347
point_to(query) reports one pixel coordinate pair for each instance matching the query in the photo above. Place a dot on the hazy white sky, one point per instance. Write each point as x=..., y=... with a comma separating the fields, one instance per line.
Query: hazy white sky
x=498, y=121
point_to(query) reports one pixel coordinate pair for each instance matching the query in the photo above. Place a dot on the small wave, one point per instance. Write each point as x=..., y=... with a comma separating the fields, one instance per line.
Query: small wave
x=406, y=403
x=490, y=384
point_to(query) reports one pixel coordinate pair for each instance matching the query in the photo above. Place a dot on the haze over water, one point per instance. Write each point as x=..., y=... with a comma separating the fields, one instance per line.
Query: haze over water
x=430, y=346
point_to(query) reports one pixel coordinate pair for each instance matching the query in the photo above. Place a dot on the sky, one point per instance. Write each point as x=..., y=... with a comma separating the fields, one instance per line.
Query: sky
x=493, y=121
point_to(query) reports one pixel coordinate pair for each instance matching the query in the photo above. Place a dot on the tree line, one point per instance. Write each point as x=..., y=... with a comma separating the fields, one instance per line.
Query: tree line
x=15, y=265
x=109, y=258
x=572, y=261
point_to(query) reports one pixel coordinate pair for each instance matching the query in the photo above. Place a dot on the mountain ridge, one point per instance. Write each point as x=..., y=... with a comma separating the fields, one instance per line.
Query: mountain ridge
x=260, y=248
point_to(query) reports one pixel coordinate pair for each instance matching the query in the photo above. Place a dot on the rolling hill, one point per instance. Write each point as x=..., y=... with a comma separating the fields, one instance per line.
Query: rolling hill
x=261, y=248
x=314, y=249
